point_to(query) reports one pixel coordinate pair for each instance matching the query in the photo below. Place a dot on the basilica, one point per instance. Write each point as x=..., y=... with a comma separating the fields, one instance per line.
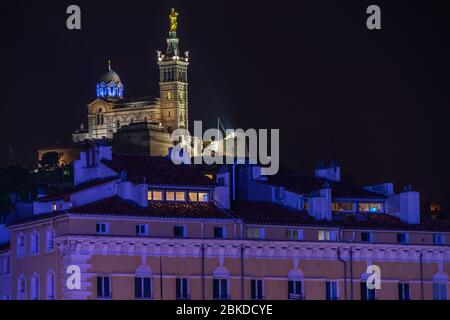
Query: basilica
x=154, y=118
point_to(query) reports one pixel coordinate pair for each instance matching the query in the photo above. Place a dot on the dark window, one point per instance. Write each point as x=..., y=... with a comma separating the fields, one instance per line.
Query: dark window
x=178, y=232
x=403, y=291
x=366, y=293
x=402, y=237
x=257, y=290
x=219, y=232
x=142, y=288
x=103, y=287
x=366, y=237
x=101, y=228
x=220, y=288
x=182, y=288
x=295, y=290
x=331, y=290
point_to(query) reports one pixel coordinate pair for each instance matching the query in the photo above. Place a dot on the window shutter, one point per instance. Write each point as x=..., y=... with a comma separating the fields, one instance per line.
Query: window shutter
x=253, y=289
x=137, y=287
x=216, y=288
x=99, y=287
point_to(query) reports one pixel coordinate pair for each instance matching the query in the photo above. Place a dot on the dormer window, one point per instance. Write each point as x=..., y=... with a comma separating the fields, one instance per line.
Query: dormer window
x=198, y=197
x=370, y=207
x=155, y=196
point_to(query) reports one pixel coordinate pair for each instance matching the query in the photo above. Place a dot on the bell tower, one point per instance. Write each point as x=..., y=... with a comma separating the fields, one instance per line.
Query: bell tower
x=173, y=85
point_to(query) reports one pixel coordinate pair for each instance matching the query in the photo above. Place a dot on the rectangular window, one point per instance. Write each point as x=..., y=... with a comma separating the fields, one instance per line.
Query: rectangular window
x=157, y=195
x=34, y=246
x=219, y=232
x=193, y=196
x=331, y=290
x=142, y=288
x=343, y=206
x=366, y=236
x=170, y=196
x=103, y=287
x=402, y=237
x=294, y=234
x=366, y=293
x=203, y=197
x=327, y=235
x=256, y=288
x=370, y=207
x=438, y=238
x=295, y=290
x=180, y=196
x=220, y=289
x=179, y=231
x=182, y=289
x=21, y=246
x=403, y=291
x=142, y=229
x=256, y=233
x=439, y=291
x=101, y=228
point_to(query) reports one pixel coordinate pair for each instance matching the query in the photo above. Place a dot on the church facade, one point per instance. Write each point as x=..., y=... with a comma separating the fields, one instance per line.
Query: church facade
x=112, y=110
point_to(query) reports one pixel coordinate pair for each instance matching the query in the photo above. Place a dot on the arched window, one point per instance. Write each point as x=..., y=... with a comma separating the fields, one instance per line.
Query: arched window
x=50, y=285
x=221, y=283
x=21, y=287
x=21, y=245
x=34, y=242
x=295, y=285
x=143, y=283
x=50, y=239
x=35, y=287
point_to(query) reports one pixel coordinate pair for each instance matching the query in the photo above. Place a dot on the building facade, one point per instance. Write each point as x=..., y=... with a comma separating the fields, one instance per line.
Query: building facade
x=140, y=227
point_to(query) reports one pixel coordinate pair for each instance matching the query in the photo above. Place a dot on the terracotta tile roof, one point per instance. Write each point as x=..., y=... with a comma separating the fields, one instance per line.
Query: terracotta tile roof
x=265, y=213
x=157, y=171
x=306, y=185
x=66, y=193
x=156, y=209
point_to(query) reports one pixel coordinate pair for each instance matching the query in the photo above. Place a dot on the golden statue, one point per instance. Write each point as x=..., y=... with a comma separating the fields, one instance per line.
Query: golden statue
x=173, y=17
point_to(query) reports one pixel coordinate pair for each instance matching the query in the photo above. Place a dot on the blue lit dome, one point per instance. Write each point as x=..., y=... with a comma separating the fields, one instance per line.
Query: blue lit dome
x=109, y=85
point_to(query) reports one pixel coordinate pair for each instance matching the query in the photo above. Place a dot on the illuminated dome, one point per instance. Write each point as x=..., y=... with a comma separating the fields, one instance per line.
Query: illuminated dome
x=109, y=85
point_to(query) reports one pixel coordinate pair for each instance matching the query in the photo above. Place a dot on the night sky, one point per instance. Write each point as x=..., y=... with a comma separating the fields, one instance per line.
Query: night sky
x=310, y=68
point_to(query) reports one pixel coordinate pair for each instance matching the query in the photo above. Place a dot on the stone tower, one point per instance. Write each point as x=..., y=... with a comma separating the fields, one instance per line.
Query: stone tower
x=173, y=81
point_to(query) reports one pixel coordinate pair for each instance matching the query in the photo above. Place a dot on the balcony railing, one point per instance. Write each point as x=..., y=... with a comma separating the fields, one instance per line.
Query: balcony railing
x=296, y=296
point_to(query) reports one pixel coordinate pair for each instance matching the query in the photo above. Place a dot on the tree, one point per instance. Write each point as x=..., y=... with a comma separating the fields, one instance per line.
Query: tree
x=50, y=160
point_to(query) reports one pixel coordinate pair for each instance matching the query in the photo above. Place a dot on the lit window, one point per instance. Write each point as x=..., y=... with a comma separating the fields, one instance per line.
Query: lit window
x=155, y=196
x=256, y=233
x=294, y=234
x=370, y=207
x=170, y=196
x=193, y=196
x=180, y=196
x=54, y=207
x=342, y=206
x=327, y=235
x=203, y=197
x=101, y=228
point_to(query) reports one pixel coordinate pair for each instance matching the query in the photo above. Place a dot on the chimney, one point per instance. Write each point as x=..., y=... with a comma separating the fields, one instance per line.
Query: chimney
x=331, y=172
